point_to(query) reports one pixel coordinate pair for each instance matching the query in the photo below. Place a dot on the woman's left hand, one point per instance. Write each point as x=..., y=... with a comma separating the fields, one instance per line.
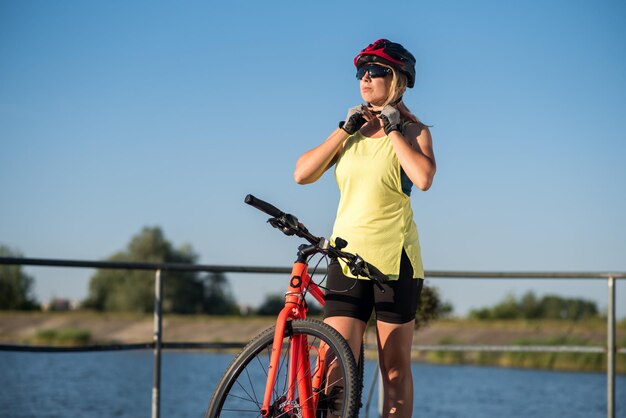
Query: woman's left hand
x=391, y=119
x=367, y=113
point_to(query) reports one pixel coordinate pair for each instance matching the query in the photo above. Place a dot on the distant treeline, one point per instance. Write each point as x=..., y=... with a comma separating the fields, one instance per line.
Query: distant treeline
x=193, y=293
x=529, y=306
x=113, y=290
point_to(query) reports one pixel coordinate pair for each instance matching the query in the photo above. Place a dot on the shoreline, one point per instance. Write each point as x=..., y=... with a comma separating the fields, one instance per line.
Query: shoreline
x=92, y=328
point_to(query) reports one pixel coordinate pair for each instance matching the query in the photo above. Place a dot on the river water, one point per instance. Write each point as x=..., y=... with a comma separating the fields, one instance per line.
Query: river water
x=119, y=385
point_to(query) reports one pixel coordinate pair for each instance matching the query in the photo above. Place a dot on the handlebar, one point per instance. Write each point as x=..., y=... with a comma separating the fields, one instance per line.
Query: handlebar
x=264, y=206
x=290, y=225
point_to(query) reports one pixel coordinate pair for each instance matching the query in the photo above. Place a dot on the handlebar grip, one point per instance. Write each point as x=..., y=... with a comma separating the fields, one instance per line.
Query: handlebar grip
x=263, y=206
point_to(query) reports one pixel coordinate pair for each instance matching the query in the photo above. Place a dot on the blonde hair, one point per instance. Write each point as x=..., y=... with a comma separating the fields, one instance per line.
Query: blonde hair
x=397, y=88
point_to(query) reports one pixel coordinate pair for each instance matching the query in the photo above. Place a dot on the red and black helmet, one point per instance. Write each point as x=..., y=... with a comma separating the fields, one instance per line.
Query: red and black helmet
x=389, y=53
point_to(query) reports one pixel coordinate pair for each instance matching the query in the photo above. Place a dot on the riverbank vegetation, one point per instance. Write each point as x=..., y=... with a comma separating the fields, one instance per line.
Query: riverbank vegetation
x=563, y=361
x=71, y=337
x=89, y=327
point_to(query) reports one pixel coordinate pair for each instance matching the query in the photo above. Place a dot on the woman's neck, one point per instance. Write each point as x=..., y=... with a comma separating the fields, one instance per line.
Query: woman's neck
x=374, y=107
x=373, y=129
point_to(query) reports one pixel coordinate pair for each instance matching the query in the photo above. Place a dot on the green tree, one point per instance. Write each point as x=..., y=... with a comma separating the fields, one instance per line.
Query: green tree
x=507, y=309
x=530, y=307
x=218, y=297
x=581, y=309
x=274, y=303
x=431, y=306
x=15, y=285
x=555, y=307
x=133, y=290
x=552, y=307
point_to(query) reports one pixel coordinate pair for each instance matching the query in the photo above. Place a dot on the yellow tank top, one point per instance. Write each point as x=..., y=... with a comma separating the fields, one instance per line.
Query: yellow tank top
x=374, y=214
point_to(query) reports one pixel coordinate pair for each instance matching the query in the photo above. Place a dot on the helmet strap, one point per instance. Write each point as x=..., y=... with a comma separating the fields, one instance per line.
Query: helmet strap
x=395, y=102
x=375, y=112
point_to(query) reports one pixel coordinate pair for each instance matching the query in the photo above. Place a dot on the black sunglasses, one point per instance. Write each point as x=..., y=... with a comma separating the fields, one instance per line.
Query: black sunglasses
x=373, y=70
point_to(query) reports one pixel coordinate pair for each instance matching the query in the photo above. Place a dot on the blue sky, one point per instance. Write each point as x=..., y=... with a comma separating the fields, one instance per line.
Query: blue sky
x=119, y=115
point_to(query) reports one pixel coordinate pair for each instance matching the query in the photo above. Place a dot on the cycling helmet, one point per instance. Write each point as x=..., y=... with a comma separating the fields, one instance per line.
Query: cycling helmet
x=389, y=53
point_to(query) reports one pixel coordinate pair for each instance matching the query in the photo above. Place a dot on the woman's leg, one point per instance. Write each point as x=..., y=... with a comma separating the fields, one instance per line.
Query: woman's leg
x=349, y=305
x=394, y=349
x=351, y=329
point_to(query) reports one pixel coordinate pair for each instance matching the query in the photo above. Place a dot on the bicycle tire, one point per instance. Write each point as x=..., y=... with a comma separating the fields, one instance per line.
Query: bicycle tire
x=360, y=370
x=360, y=373
x=240, y=391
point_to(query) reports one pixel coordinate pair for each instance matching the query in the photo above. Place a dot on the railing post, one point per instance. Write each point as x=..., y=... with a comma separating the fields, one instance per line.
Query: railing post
x=610, y=345
x=370, y=394
x=156, y=372
x=381, y=394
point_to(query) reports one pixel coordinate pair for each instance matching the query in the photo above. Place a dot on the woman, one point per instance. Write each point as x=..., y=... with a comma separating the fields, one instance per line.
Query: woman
x=379, y=152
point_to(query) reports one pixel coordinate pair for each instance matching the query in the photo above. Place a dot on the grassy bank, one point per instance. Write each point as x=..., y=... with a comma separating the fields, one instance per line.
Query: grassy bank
x=83, y=328
x=585, y=362
x=61, y=337
x=588, y=333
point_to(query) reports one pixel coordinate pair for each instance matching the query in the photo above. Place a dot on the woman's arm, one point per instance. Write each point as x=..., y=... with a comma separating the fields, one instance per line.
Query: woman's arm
x=313, y=163
x=415, y=153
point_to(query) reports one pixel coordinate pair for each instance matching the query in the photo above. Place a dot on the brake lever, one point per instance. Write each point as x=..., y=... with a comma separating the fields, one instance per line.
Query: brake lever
x=376, y=281
x=358, y=266
x=376, y=274
x=280, y=225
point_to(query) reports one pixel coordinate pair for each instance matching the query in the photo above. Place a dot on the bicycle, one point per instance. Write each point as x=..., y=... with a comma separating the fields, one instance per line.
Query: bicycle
x=299, y=367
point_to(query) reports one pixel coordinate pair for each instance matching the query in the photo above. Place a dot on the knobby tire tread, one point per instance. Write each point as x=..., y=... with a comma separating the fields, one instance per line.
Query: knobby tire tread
x=352, y=380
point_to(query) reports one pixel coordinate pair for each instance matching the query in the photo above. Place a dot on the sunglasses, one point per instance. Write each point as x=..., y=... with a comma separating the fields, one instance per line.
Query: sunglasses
x=373, y=70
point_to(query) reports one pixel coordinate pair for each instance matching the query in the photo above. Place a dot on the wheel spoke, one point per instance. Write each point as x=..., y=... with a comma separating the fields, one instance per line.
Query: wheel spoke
x=240, y=392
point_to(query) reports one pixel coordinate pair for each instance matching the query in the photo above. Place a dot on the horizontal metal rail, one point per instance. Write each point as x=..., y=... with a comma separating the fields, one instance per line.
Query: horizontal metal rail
x=123, y=347
x=517, y=348
x=158, y=345
x=238, y=345
x=78, y=348
x=213, y=268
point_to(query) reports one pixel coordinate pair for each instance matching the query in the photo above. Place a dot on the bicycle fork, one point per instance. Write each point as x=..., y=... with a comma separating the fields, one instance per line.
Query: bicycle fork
x=299, y=372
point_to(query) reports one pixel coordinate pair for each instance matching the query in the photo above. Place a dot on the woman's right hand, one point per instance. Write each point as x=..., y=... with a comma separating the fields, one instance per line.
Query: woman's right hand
x=313, y=163
x=354, y=120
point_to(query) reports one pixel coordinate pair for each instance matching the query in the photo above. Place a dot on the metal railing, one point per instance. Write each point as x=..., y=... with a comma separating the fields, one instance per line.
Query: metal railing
x=158, y=345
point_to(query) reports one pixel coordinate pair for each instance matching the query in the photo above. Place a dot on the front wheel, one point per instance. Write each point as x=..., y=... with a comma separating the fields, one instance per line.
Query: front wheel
x=240, y=391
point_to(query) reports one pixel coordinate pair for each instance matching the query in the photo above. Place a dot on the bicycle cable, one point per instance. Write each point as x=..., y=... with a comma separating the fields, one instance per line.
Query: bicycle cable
x=325, y=256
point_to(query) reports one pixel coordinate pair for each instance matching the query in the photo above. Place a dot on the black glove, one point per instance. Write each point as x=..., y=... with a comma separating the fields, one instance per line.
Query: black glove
x=391, y=119
x=354, y=120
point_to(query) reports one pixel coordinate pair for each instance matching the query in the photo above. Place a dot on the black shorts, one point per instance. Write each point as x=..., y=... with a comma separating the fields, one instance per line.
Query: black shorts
x=356, y=298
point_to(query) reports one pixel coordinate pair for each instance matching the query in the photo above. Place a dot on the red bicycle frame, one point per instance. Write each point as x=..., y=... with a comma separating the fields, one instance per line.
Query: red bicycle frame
x=299, y=362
